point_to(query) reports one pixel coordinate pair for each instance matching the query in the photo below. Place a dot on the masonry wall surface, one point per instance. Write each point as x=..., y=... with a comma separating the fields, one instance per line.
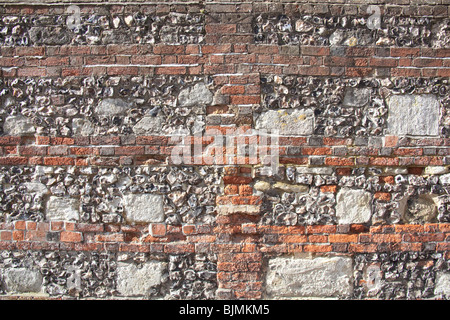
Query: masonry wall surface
x=224, y=149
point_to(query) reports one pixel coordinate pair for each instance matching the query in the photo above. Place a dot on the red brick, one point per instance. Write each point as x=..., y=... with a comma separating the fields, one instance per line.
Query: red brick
x=321, y=229
x=317, y=248
x=293, y=239
x=57, y=225
x=18, y=235
x=5, y=235
x=383, y=196
x=20, y=225
x=245, y=99
x=157, y=229
x=336, y=161
x=13, y=160
x=115, y=237
x=58, y=161
x=386, y=238
x=237, y=180
x=329, y=188
x=177, y=248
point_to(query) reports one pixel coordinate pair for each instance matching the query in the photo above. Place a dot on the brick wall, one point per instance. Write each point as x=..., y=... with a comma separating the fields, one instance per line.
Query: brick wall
x=217, y=150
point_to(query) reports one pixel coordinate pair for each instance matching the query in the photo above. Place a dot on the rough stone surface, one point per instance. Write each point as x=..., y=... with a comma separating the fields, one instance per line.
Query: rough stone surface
x=62, y=208
x=18, y=125
x=198, y=95
x=138, y=281
x=288, y=122
x=421, y=112
x=290, y=187
x=22, y=280
x=144, y=207
x=356, y=97
x=305, y=277
x=148, y=125
x=442, y=284
x=353, y=206
x=422, y=209
x=82, y=127
x=110, y=107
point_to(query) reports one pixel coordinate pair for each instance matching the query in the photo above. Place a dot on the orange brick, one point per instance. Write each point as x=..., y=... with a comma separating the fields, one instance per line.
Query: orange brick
x=293, y=239
x=157, y=229
x=386, y=238
x=387, y=179
x=407, y=228
x=18, y=235
x=383, y=196
x=317, y=248
x=20, y=225
x=321, y=229
x=343, y=238
x=245, y=190
x=318, y=238
x=68, y=236
x=330, y=188
x=231, y=189
x=189, y=229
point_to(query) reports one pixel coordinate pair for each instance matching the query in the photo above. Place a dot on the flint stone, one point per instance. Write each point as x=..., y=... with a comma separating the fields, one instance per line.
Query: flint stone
x=20, y=280
x=290, y=187
x=413, y=114
x=18, y=125
x=315, y=170
x=353, y=206
x=305, y=277
x=241, y=208
x=356, y=97
x=445, y=179
x=134, y=281
x=262, y=186
x=48, y=36
x=62, y=208
x=198, y=95
x=111, y=107
x=435, y=170
x=288, y=122
x=421, y=210
x=148, y=125
x=144, y=207
x=82, y=127
x=442, y=284
x=36, y=188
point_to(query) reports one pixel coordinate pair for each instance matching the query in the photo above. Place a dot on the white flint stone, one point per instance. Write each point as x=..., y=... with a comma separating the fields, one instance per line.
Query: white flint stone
x=22, y=280
x=62, y=208
x=82, y=127
x=445, y=179
x=442, y=287
x=148, y=125
x=413, y=115
x=36, y=188
x=18, y=125
x=305, y=277
x=241, y=208
x=356, y=97
x=134, y=281
x=198, y=95
x=315, y=170
x=111, y=107
x=435, y=170
x=144, y=207
x=290, y=187
x=353, y=206
x=262, y=186
x=287, y=122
